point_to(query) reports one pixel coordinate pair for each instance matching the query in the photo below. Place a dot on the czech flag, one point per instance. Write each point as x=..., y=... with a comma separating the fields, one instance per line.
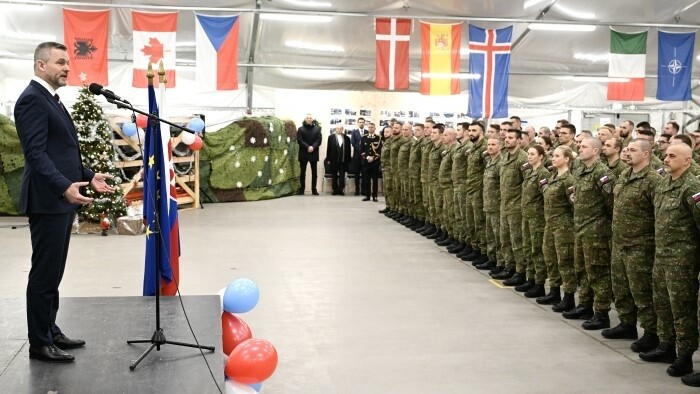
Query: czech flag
x=217, y=52
x=440, y=58
x=154, y=40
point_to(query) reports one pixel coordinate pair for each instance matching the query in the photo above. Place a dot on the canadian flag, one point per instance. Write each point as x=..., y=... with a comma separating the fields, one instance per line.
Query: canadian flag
x=154, y=40
x=393, y=37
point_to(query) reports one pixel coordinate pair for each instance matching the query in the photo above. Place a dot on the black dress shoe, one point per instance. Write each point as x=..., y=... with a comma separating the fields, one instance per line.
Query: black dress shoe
x=691, y=380
x=581, y=312
x=357, y=194
x=681, y=366
x=664, y=353
x=599, y=321
x=374, y=199
x=300, y=193
x=621, y=331
x=315, y=193
x=49, y=353
x=365, y=199
x=63, y=342
x=647, y=342
x=335, y=193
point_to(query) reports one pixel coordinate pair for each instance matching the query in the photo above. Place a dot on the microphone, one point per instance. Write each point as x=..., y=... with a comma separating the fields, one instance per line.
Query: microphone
x=97, y=89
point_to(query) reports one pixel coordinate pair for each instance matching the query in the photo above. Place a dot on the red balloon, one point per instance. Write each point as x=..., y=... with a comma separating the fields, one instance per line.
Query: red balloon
x=234, y=331
x=252, y=361
x=141, y=121
x=197, y=144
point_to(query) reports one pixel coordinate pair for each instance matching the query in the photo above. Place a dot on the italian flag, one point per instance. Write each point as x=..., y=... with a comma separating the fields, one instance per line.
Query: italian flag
x=628, y=57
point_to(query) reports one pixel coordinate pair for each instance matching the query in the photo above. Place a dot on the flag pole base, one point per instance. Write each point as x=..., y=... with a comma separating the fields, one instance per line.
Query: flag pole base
x=158, y=340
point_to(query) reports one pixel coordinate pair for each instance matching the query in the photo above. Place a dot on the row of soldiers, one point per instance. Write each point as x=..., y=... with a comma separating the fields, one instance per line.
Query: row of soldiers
x=604, y=217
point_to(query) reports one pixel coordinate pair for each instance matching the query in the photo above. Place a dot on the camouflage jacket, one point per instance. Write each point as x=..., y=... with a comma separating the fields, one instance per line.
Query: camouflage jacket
x=492, y=184
x=532, y=198
x=459, y=164
x=617, y=168
x=512, y=181
x=386, y=156
x=593, y=200
x=445, y=170
x=475, y=167
x=677, y=219
x=426, y=147
x=402, y=159
x=558, y=208
x=633, y=213
x=434, y=164
x=414, y=159
x=395, y=148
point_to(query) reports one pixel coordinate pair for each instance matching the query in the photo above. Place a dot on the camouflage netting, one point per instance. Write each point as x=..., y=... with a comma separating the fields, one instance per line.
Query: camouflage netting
x=11, y=167
x=250, y=159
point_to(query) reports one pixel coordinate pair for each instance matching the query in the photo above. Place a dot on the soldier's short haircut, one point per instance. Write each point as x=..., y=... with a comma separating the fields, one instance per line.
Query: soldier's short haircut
x=569, y=127
x=517, y=132
x=372, y=124
x=465, y=125
x=546, y=129
x=43, y=50
x=674, y=125
x=421, y=125
x=643, y=144
x=563, y=121
x=647, y=132
x=515, y=117
x=644, y=125
x=495, y=126
x=399, y=123
x=630, y=123
x=587, y=133
x=478, y=123
x=610, y=126
x=617, y=144
x=685, y=139
x=567, y=152
x=507, y=123
x=595, y=143
x=440, y=127
x=666, y=135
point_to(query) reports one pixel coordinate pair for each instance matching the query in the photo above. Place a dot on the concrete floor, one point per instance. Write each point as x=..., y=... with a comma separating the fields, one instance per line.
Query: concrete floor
x=356, y=303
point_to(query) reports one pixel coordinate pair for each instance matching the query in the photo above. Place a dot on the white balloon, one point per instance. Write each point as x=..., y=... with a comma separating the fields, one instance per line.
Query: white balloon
x=221, y=298
x=238, y=388
x=187, y=138
x=139, y=136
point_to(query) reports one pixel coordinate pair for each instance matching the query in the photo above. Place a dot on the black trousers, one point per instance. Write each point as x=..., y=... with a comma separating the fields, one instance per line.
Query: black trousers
x=50, y=235
x=370, y=171
x=302, y=174
x=357, y=170
x=338, y=177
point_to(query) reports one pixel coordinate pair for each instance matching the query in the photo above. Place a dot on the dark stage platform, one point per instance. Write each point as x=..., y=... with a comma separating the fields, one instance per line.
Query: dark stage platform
x=102, y=366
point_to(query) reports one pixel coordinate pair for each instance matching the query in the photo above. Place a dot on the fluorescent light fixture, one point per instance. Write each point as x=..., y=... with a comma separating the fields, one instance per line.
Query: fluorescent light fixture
x=185, y=61
x=464, y=51
x=23, y=6
x=530, y=3
x=310, y=4
x=560, y=27
x=297, y=18
x=574, y=13
x=593, y=57
x=313, y=73
x=314, y=47
x=185, y=44
x=17, y=36
x=598, y=79
x=451, y=76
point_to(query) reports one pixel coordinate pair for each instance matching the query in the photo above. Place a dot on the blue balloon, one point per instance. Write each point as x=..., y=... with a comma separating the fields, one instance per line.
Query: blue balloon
x=128, y=129
x=196, y=124
x=256, y=386
x=241, y=296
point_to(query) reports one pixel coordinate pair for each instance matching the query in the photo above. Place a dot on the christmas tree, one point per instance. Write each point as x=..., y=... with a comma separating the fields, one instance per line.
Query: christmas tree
x=95, y=137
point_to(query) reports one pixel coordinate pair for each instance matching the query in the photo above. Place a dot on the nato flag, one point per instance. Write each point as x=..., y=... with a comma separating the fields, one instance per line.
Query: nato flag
x=675, y=66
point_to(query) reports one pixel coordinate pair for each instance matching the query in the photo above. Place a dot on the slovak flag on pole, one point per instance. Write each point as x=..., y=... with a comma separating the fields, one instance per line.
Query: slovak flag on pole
x=162, y=236
x=217, y=52
x=154, y=39
x=489, y=57
x=393, y=36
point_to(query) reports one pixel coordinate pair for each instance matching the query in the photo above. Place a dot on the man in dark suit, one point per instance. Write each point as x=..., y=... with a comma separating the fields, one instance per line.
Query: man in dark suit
x=309, y=139
x=371, y=162
x=338, y=159
x=50, y=194
x=356, y=141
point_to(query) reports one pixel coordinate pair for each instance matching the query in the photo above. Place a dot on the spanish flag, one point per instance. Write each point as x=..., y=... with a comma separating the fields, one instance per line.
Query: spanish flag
x=440, y=58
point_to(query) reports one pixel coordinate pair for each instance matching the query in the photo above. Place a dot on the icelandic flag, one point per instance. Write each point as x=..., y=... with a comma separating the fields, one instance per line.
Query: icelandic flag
x=489, y=57
x=162, y=236
x=217, y=52
x=675, y=65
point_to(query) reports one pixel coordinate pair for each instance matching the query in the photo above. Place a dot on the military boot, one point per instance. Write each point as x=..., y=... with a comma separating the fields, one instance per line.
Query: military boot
x=621, y=331
x=682, y=365
x=480, y=260
x=535, y=291
x=466, y=252
x=447, y=241
x=599, y=321
x=472, y=256
x=664, y=353
x=426, y=225
x=553, y=297
x=565, y=305
x=456, y=247
x=429, y=230
x=496, y=270
x=581, y=312
x=417, y=225
x=445, y=236
x=384, y=211
x=529, y=284
x=691, y=380
x=517, y=279
x=647, y=342
x=435, y=235
x=507, y=273
x=488, y=265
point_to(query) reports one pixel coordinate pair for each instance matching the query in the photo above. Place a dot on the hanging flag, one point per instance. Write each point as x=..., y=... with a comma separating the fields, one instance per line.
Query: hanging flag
x=628, y=57
x=217, y=52
x=154, y=39
x=393, y=36
x=159, y=208
x=675, y=65
x=489, y=57
x=85, y=35
x=440, y=58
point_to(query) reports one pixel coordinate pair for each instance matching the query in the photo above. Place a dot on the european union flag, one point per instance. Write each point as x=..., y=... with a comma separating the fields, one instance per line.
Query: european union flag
x=675, y=65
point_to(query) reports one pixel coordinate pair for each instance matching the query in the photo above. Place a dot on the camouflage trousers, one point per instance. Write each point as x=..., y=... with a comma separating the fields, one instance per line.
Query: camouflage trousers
x=398, y=192
x=405, y=195
x=493, y=238
x=388, y=189
x=436, y=197
x=512, y=241
x=676, y=305
x=558, y=251
x=533, y=234
x=429, y=203
x=476, y=221
x=416, y=199
x=592, y=265
x=631, y=268
x=460, y=214
x=448, y=210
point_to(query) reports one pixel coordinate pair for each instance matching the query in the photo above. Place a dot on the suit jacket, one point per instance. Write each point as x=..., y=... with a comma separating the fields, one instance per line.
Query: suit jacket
x=338, y=156
x=51, y=152
x=309, y=135
x=356, y=140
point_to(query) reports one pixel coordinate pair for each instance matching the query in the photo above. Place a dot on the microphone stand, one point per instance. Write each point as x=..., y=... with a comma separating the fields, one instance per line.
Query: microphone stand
x=158, y=338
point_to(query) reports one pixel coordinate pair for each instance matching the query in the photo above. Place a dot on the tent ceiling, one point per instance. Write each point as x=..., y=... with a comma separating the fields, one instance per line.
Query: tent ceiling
x=538, y=62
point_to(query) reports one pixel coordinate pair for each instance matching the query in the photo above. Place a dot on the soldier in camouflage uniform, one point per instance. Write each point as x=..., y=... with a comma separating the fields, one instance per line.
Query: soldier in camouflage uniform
x=402, y=163
x=685, y=139
x=449, y=144
x=511, y=217
x=387, y=176
x=433, y=178
x=593, y=203
x=476, y=221
x=399, y=172
x=429, y=144
x=415, y=196
x=558, y=241
x=567, y=133
x=533, y=222
x=459, y=181
x=611, y=151
x=632, y=257
x=626, y=129
x=675, y=272
x=492, y=207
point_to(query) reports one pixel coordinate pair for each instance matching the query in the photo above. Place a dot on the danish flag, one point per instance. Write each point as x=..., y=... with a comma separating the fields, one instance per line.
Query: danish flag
x=393, y=36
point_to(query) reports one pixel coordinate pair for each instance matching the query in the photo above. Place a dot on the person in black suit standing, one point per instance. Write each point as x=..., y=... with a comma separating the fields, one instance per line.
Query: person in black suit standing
x=50, y=194
x=338, y=159
x=371, y=162
x=356, y=141
x=309, y=139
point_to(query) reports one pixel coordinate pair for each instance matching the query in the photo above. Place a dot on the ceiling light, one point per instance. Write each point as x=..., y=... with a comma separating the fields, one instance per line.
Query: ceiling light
x=463, y=51
x=560, y=27
x=314, y=47
x=582, y=78
x=530, y=3
x=17, y=36
x=313, y=73
x=593, y=57
x=23, y=6
x=451, y=76
x=185, y=44
x=310, y=4
x=573, y=13
x=297, y=18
